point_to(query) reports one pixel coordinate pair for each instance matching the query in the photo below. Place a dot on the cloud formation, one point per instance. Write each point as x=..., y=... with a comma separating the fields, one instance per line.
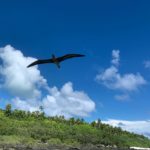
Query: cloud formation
x=26, y=85
x=112, y=79
x=139, y=127
x=68, y=102
x=65, y=102
x=17, y=79
x=115, y=57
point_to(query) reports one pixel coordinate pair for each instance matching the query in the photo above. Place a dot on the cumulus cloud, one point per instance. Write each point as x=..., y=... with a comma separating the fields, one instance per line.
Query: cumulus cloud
x=17, y=79
x=26, y=104
x=139, y=127
x=68, y=102
x=112, y=79
x=65, y=102
x=26, y=85
x=115, y=57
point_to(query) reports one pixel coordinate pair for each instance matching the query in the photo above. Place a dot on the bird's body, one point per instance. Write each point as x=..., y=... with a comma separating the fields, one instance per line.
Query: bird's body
x=55, y=60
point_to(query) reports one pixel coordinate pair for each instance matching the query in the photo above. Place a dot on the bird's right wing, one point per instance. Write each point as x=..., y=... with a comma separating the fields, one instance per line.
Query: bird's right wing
x=69, y=56
x=40, y=62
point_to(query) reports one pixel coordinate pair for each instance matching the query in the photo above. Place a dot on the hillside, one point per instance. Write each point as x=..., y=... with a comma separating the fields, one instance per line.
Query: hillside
x=26, y=128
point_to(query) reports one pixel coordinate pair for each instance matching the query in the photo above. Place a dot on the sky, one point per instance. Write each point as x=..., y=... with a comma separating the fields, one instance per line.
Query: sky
x=111, y=82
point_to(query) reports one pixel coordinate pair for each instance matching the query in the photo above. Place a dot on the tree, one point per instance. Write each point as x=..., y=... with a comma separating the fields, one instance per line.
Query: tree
x=98, y=123
x=41, y=108
x=93, y=124
x=19, y=114
x=72, y=121
x=8, y=110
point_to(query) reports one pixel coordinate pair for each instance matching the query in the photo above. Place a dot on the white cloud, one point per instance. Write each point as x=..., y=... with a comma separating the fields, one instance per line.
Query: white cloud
x=28, y=105
x=139, y=127
x=26, y=85
x=115, y=57
x=147, y=64
x=65, y=102
x=68, y=102
x=112, y=78
x=17, y=79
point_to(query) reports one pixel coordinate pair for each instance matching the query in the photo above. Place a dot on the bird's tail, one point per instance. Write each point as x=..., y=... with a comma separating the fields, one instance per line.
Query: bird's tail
x=58, y=65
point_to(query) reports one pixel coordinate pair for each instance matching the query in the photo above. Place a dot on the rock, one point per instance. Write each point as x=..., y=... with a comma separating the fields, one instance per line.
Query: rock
x=73, y=148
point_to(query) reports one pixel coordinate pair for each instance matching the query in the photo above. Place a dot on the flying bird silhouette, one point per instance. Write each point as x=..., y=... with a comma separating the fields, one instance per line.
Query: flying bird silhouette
x=55, y=60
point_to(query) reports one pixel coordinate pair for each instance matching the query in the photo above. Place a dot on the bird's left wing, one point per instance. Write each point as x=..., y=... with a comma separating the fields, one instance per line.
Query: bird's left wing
x=69, y=56
x=40, y=62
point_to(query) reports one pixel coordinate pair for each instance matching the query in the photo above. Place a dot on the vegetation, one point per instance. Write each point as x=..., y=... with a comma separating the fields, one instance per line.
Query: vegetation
x=32, y=128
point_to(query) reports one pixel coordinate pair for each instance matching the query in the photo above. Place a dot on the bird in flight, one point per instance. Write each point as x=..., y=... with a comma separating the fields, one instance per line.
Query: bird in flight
x=55, y=60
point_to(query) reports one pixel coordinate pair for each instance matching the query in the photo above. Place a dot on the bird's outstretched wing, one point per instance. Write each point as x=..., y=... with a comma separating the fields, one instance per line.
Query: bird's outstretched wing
x=40, y=62
x=69, y=56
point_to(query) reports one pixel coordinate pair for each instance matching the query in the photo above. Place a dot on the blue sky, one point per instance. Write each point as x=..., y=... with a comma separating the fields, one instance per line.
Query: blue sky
x=94, y=28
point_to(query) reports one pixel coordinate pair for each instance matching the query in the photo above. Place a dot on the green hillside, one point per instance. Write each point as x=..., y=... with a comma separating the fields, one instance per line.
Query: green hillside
x=21, y=127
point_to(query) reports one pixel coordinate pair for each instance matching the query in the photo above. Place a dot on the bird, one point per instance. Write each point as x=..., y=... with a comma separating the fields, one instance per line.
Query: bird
x=54, y=59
